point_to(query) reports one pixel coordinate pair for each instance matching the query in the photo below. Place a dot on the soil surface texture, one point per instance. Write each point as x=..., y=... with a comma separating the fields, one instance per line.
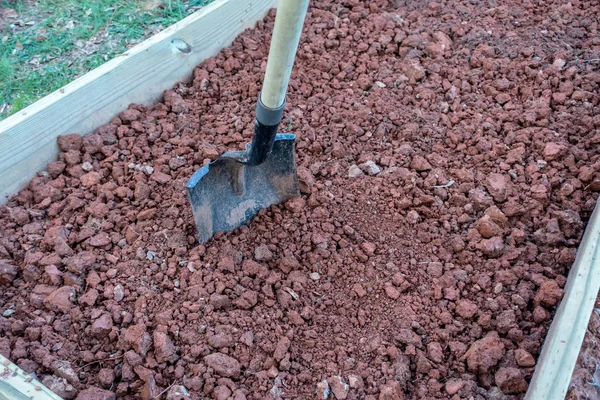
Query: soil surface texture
x=449, y=159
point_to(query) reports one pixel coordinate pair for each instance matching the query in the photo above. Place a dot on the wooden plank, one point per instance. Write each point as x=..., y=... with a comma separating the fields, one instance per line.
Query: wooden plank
x=563, y=341
x=28, y=138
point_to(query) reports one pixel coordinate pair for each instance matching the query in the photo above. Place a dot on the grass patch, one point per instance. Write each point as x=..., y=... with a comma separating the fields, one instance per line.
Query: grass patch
x=46, y=44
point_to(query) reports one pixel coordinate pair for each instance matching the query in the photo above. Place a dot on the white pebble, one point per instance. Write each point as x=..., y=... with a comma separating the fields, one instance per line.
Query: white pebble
x=315, y=276
x=370, y=168
x=119, y=292
x=354, y=171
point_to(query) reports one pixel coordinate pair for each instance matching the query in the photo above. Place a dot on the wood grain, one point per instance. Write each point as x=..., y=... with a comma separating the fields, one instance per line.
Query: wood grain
x=28, y=138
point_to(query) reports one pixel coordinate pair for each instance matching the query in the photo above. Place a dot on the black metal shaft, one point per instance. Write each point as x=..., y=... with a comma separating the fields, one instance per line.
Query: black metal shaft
x=265, y=129
x=262, y=143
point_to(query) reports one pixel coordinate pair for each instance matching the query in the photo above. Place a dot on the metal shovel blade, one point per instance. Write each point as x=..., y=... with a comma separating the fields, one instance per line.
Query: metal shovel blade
x=225, y=194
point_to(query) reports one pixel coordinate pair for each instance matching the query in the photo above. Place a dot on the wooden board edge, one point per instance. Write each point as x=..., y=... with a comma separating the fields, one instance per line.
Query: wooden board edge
x=563, y=342
x=16, y=384
x=28, y=142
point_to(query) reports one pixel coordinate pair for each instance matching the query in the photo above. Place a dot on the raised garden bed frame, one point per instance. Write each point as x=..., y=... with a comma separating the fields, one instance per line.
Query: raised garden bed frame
x=28, y=144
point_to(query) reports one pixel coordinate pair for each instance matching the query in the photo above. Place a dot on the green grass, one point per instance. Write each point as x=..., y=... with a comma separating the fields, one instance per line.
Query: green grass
x=49, y=43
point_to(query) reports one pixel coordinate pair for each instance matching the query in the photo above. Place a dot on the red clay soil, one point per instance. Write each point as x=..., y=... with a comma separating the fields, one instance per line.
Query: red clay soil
x=449, y=161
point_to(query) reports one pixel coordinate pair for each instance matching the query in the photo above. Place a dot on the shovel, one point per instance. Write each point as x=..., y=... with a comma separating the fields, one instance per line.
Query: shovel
x=231, y=190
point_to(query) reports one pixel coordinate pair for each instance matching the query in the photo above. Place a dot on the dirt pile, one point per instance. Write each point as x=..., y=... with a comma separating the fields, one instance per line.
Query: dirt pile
x=449, y=160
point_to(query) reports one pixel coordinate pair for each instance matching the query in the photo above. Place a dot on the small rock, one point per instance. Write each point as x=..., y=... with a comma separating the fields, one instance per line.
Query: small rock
x=466, y=308
x=247, y=300
x=413, y=70
x=164, y=350
x=149, y=391
x=94, y=393
x=510, y=380
x=540, y=314
x=210, y=153
x=354, y=171
x=100, y=240
x=130, y=115
x=60, y=386
x=359, y=290
x=70, y=142
x=370, y=168
x=118, y=292
x=420, y=164
x=223, y=365
x=559, y=63
x=453, y=386
x=8, y=273
x=87, y=167
x=178, y=392
x=73, y=157
x=369, y=248
x=219, y=301
x=435, y=352
x=391, y=391
x=392, y=292
x=553, y=150
x=497, y=186
x=493, y=247
x=498, y=288
x=177, y=162
x=413, y=217
x=282, y=348
x=524, y=358
x=549, y=294
x=296, y=205
x=63, y=369
x=272, y=372
x=102, y=326
x=322, y=390
x=161, y=178
x=60, y=299
x=89, y=298
x=480, y=198
x=487, y=227
x=138, y=339
x=247, y=338
x=146, y=214
x=221, y=392
x=90, y=179
x=306, y=179
x=262, y=253
x=56, y=168
x=356, y=382
x=80, y=262
x=106, y=377
x=338, y=387
x=226, y=264
x=220, y=340
x=315, y=276
x=484, y=353
x=497, y=216
x=142, y=191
